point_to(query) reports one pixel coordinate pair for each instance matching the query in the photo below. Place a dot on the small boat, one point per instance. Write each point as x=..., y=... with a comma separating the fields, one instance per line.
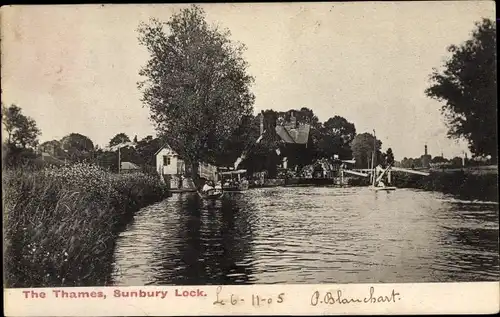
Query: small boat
x=211, y=196
x=237, y=185
x=237, y=188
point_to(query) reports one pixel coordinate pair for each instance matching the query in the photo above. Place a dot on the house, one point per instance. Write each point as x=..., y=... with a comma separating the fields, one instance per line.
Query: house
x=295, y=139
x=172, y=167
x=129, y=167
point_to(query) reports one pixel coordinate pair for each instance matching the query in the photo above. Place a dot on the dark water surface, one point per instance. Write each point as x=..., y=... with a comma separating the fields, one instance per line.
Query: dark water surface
x=310, y=235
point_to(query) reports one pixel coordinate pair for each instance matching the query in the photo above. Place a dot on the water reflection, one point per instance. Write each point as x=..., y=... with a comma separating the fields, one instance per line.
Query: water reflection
x=310, y=235
x=194, y=242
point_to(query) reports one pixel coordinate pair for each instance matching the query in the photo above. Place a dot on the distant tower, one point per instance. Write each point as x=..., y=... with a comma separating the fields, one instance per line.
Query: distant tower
x=426, y=158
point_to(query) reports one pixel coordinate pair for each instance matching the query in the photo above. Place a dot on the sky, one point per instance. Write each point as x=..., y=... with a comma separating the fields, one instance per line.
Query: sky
x=74, y=69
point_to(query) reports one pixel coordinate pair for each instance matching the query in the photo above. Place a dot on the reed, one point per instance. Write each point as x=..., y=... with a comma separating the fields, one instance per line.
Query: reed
x=61, y=224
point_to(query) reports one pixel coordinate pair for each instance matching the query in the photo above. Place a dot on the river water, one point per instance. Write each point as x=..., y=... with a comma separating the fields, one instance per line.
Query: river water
x=309, y=235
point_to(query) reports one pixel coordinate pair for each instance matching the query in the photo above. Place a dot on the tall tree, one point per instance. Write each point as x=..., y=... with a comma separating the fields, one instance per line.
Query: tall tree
x=146, y=149
x=242, y=140
x=389, y=157
x=362, y=148
x=468, y=86
x=78, y=147
x=119, y=139
x=196, y=86
x=22, y=131
x=338, y=134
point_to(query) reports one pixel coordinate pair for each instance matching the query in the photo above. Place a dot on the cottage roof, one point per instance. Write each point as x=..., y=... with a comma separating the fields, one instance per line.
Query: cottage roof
x=164, y=146
x=129, y=166
x=298, y=135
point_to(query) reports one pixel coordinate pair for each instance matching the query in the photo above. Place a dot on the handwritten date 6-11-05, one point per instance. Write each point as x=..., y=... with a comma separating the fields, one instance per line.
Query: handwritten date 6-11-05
x=255, y=300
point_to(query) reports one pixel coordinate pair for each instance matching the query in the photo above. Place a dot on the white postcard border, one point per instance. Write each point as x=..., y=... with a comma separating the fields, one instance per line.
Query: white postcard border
x=277, y=299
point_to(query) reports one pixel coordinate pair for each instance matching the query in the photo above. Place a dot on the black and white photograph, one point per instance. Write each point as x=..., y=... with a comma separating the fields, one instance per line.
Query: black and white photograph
x=248, y=144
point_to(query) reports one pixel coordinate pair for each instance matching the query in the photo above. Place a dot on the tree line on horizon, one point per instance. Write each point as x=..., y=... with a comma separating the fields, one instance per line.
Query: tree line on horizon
x=332, y=137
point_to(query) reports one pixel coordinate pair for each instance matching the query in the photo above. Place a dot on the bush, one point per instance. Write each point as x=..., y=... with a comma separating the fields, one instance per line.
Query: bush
x=61, y=223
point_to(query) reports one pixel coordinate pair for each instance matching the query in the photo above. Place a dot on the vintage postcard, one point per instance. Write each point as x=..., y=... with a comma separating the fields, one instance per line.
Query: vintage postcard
x=250, y=159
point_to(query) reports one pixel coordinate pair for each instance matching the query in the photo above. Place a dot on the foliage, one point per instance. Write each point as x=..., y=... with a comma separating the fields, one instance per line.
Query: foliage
x=61, y=223
x=13, y=156
x=119, y=139
x=22, y=131
x=362, y=149
x=146, y=149
x=468, y=85
x=438, y=159
x=389, y=157
x=196, y=84
x=338, y=134
x=78, y=147
x=411, y=162
x=242, y=140
x=54, y=148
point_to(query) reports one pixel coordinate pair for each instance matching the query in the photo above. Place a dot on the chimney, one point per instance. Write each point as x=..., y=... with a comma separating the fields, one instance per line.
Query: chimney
x=425, y=150
x=261, y=122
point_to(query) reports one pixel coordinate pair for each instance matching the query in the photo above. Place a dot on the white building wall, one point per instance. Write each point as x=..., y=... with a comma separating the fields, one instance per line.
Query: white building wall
x=169, y=169
x=178, y=166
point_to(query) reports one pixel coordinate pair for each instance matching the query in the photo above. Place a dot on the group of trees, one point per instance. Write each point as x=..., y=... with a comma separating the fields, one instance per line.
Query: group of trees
x=21, y=147
x=79, y=148
x=439, y=160
x=22, y=136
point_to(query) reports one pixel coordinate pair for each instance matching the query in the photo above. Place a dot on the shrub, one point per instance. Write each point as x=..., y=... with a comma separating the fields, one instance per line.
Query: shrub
x=61, y=223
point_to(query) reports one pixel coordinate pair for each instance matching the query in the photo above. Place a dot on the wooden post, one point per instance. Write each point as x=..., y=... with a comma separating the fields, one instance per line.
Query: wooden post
x=119, y=162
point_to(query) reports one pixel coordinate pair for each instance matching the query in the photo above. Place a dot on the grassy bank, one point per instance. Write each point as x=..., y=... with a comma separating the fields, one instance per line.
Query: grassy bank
x=61, y=224
x=464, y=185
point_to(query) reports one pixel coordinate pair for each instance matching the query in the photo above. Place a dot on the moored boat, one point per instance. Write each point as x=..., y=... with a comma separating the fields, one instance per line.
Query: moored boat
x=232, y=180
x=212, y=195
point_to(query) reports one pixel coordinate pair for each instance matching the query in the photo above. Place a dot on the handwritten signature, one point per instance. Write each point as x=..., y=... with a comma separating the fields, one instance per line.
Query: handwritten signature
x=339, y=298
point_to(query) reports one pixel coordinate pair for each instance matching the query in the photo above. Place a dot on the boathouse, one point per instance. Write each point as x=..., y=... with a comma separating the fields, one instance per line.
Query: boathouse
x=172, y=168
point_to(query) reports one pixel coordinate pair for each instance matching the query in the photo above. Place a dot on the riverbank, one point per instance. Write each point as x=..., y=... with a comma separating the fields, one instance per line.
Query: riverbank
x=461, y=183
x=61, y=224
